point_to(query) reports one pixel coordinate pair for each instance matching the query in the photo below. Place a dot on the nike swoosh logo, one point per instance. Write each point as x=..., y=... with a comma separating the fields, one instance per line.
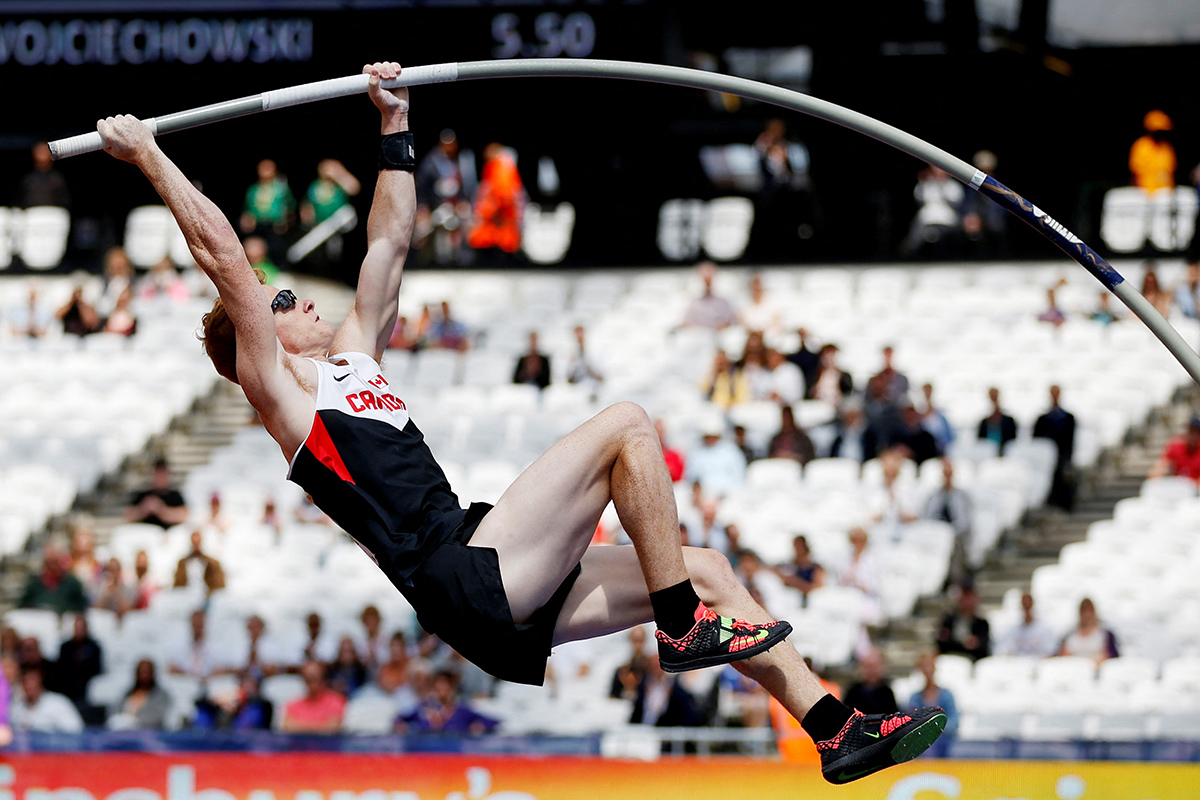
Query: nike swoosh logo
x=341, y=377
x=872, y=735
x=849, y=776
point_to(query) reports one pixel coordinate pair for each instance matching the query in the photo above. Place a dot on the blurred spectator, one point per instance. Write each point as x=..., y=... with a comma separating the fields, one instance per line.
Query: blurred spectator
x=739, y=439
x=708, y=310
x=533, y=367
x=373, y=644
x=871, y=693
x=1029, y=637
x=332, y=189
x=766, y=587
x=264, y=655
x=760, y=314
x=997, y=426
x=717, y=463
x=585, y=367
x=43, y=185
x=912, y=437
x=118, y=276
x=934, y=421
x=319, y=646
x=777, y=210
x=807, y=360
x=346, y=674
x=197, y=568
x=661, y=701
x=499, y=207
x=240, y=708
x=1181, y=455
x=1090, y=639
x=984, y=223
x=673, y=457
x=29, y=656
x=891, y=504
x=753, y=364
x=80, y=659
x=1053, y=314
x=725, y=385
x=146, y=705
x=445, y=183
x=84, y=564
x=1152, y=290
x=782, y=382
x=402, y=338
x=159, y=504
x=711, y=531
x=1103, y=315
x=1187, y=293
x=743, y=702
x=269, y=208
x=448, y=333
x=628, y=676
x=802, y=573
x=951, y=504
x=963, y=631
x=791, y=441
x=935, y=228
x=854, y=439
x=114, y=594
x=30, y=319
x=10, y=643
x=164, y=283
x=442, y=711
x=831, y=384
x=395, y=677
x=889, y=385
x=862, y=572
x=1152, y=161
x=54, y=587
x=43, y=711
x=257, y=253
x=78, y=316
x=217, y=521
x=320, y=710
x=933, y=695
x=122, y=320
x=144, y=582
x=198, y=654
x=1058, y=425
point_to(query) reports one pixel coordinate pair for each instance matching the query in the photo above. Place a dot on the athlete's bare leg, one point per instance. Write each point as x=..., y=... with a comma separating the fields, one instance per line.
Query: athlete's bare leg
x=610, y=596
x=542, y=525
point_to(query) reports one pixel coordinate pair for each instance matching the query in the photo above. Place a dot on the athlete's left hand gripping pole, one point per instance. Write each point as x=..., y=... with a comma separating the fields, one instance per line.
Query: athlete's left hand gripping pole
x=267, y=101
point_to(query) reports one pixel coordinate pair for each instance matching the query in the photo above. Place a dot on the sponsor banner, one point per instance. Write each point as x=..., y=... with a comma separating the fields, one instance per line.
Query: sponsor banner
x=325, y=776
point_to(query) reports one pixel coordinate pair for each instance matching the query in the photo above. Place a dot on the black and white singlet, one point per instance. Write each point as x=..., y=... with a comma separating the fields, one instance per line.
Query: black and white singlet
x=367, y=466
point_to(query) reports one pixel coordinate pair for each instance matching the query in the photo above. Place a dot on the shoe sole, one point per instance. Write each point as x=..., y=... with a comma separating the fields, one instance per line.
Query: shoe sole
x=778, y=634
x=909, y=746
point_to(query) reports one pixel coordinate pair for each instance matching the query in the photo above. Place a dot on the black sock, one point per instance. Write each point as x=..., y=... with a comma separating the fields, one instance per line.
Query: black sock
x=675, y=608
x=826, y=719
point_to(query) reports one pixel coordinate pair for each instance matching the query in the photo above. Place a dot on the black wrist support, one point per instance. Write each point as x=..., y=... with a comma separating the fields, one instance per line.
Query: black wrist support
x=396, y=151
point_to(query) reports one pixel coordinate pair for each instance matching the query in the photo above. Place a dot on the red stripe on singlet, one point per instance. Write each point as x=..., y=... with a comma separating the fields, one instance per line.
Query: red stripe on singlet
x=323, y=448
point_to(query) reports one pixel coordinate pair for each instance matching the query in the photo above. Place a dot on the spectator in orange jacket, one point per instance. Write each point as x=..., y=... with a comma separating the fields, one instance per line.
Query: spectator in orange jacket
x=499, y=203
x=1152, y=156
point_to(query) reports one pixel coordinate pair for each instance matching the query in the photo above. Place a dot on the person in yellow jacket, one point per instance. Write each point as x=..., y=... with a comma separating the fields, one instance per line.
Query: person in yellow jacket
x=1152, y=157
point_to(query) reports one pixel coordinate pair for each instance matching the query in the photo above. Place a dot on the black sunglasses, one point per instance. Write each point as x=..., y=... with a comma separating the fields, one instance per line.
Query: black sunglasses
x=283, y=301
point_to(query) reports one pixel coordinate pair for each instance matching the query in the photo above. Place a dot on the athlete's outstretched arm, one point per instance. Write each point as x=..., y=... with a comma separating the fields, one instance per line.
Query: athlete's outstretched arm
x=217, y=251
x=389, y=230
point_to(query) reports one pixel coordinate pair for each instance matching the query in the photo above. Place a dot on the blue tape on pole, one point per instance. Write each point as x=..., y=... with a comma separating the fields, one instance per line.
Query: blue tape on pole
x=1053, y=230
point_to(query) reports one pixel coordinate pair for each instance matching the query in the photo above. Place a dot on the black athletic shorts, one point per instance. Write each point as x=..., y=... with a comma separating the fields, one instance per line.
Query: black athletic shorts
x=458, y=594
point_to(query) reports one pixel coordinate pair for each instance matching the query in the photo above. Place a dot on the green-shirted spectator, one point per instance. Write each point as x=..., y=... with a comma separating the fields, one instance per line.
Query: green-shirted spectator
x=269, y=202
x=54, y=587
x=332, y=189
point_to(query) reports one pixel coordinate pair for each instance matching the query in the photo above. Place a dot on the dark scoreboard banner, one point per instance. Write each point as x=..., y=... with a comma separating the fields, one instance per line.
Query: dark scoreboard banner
x=621, y=149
